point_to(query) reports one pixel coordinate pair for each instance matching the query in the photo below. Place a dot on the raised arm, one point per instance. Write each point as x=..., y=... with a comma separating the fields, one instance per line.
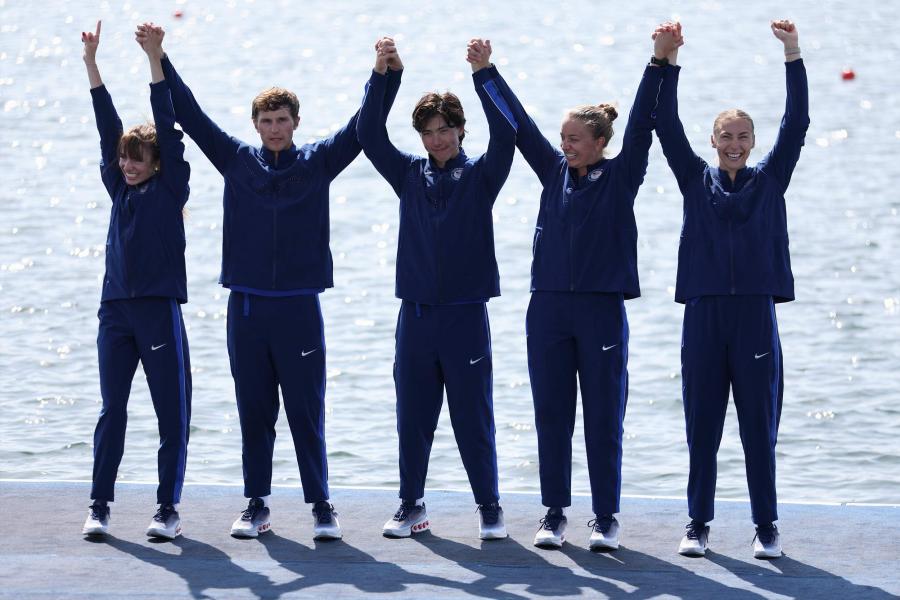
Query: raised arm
x=344, y=146
x=638, y=135
x=780, y=162
x=685, y=164
x=91, y=43
x=174, y=170
x=109, y=126
x=502, y=124
x=218, y=146
x=543, y=157
x=370, y=127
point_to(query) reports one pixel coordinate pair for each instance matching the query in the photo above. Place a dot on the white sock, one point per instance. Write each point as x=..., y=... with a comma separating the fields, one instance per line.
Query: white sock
x=265, y=500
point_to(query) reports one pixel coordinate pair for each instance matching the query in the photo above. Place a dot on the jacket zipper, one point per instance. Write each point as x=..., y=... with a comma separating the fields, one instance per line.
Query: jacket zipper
x=274, y=239
x=731, y=255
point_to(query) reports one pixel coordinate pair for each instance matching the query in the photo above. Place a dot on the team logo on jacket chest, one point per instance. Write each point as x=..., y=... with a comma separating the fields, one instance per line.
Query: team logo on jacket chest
x=595, y=174
x=456, y=174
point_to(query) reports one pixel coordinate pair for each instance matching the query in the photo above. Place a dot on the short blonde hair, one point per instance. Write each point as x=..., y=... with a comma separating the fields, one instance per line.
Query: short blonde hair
x=731, y=113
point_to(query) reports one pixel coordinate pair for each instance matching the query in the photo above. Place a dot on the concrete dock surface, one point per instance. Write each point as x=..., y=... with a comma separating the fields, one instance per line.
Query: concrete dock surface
x=831, y=551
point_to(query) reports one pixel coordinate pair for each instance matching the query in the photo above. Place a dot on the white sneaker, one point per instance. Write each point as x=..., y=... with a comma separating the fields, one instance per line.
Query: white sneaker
x=165, y=523
x=253, y=520
x=552, y=533
x=490, y=522
x=409, y=519
x=767, y=542
x=97, y=522
x=695, y=540
x=326, y=524
x=605, y=533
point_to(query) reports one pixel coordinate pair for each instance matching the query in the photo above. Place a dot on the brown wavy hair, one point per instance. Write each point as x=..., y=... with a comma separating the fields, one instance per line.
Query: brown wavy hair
x=138, y=141
x=446, y=105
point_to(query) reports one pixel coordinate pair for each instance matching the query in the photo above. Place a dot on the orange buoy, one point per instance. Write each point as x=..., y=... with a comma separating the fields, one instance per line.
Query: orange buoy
x=178, y=13
x=847, y=74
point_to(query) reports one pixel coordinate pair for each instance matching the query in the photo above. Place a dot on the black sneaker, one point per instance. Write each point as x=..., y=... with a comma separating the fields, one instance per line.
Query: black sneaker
x=605, y=533
x=326, y=525
x=410, y=518
x=253, y=520
x=767, y=542
x=490, y=522
x=165, y=523
x=695, y=539
x=97, y=522
x=552, y=533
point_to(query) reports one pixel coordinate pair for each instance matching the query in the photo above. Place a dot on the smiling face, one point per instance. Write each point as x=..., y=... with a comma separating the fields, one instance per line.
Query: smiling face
x=733, y=140
x=579, y=145
x=136, y=169
x=138, y=154
x=276, y=128
x=441, y=141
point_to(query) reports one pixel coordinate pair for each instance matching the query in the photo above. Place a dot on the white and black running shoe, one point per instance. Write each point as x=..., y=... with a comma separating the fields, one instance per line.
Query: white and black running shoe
x=253, y=520
x=490, y=522
x=767, y=542
x=604, y=533
x=410, y=518
x=326, y=525
x=552, y=533
x=695, y=539
x=97, y=522
x=165, y=523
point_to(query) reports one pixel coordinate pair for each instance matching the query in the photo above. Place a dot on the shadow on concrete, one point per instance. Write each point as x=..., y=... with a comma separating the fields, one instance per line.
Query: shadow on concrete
x=201, y=566
x=337, y=562
x=796, y=579
x=643, y=576
x=506, y=563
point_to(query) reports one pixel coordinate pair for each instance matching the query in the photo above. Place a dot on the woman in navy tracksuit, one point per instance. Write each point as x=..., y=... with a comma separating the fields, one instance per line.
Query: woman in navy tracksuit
x=446, y=273
x=733, y=267
x=584, y=268
x=140, y=315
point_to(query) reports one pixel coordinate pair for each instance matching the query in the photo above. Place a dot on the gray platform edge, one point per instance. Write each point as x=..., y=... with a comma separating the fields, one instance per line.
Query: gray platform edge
x=831, y=551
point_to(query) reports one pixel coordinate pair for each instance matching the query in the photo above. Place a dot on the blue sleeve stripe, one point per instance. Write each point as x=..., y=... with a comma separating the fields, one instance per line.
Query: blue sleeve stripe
x=500, y=102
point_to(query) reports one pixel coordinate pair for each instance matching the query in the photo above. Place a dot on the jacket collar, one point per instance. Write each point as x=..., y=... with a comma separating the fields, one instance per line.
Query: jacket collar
x=285, y=157
x=457, y=161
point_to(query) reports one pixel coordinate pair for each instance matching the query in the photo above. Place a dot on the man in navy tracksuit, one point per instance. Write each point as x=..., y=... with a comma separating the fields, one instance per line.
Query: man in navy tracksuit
x=733, y=267
x=446, y=272
x=275, y=260
x=146, y=177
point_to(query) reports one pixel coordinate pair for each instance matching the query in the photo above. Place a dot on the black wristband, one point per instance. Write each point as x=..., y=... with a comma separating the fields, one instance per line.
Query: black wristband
x=659, y=62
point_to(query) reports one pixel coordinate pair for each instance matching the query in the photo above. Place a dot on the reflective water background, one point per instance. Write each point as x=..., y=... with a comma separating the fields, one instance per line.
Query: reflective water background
x=841, y=421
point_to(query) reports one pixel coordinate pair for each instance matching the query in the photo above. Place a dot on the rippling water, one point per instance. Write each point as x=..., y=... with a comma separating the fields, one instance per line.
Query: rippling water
x=841, y=419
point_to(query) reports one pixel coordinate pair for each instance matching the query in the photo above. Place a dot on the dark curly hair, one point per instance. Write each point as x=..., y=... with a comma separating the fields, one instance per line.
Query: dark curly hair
x=446, y=105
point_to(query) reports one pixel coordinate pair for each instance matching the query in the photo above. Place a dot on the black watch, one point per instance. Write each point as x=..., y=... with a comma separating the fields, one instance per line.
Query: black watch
x=659, y=62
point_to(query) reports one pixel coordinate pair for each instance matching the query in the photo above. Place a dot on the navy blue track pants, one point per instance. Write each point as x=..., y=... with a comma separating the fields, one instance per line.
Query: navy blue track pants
x=276, y=342
x=583, y=335
x=731, y=341
x=149, y=331
x=450, y=346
